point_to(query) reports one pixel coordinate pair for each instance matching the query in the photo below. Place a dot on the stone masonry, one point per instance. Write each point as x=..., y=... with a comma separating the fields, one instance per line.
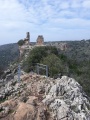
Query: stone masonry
x=40, y=40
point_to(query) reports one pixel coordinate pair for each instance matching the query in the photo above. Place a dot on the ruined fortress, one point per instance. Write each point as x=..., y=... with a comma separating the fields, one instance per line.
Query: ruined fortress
x=39, y=41
x=27, y=44
x=27, y=39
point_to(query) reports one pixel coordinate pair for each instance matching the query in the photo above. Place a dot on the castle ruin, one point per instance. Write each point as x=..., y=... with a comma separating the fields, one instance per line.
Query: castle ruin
x=40, y=40
x=27, y=39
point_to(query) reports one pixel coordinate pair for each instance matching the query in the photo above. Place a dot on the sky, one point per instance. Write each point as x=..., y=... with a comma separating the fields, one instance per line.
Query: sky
x=56, y=20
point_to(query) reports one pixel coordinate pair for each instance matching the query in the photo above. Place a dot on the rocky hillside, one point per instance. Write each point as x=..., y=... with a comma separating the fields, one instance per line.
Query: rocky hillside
x=76, y=55
x=37, y=97
x=74, y=50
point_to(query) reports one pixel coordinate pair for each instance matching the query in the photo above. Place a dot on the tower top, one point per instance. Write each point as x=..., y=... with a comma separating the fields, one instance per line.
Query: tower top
x=28, y=36
x=27, y=39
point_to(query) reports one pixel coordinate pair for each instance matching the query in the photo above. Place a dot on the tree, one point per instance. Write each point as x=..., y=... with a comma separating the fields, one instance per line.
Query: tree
x=36, y=55
x=54, y=63
x=21, y=42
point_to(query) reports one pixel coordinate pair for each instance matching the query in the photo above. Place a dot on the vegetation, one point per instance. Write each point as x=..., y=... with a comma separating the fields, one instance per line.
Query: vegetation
x=36, y=56
x=8, y=53
x=74, y=62
x=21, y=42
x=54, y=63
x=64, y=62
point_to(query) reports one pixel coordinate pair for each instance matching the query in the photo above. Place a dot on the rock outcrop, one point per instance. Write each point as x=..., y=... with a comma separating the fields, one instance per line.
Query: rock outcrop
x=66, y=100
x=38, y=97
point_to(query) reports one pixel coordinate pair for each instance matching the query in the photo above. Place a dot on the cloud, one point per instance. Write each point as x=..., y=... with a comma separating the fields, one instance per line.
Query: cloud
x=76, y=4
x=46, y=17
x=86, y=4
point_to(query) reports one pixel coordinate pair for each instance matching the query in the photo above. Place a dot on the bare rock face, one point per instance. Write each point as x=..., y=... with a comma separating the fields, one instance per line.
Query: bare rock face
x=66, y=100
x=63, y=46
x=38, y=97
x=42, y=114
x=24, y=112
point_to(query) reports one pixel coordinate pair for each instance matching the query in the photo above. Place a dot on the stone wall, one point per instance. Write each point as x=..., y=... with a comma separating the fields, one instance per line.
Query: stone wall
x=27, y=39
x=40, y=40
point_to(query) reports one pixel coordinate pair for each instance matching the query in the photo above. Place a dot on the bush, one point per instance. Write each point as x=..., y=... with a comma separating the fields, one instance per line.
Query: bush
x=59, y=63
x=54, y=64
x=21, y=42
x=36, y=55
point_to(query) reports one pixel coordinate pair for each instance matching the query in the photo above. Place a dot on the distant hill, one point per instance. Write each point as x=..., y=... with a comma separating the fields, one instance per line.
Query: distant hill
x=77, y=50
x=8, y=53
x=77, y=57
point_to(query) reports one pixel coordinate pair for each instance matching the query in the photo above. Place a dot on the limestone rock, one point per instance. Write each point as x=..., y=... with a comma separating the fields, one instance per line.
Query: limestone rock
x=24, y=112
x=38, y=97
x=66, y=100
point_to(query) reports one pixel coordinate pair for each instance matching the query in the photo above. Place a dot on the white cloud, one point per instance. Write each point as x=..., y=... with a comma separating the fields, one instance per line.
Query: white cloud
x=47, y=17
x=76, y=3
x=11, y=13
x=86, y=4
x=64, y=5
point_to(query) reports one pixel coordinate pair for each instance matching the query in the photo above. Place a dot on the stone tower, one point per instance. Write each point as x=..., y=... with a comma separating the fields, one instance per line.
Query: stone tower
x=28, y=36
x=40, y=40
x=27, y=39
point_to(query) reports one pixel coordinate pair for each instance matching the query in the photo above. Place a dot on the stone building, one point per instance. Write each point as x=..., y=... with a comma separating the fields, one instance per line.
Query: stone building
x=40, y=40
x=26, y=46
x=27, y=39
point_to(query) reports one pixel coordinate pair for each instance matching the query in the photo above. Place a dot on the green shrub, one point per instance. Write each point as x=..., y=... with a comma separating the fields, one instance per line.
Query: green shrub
x=36, y=55
x=54, y=64
x=21, y=42
x=59, y=62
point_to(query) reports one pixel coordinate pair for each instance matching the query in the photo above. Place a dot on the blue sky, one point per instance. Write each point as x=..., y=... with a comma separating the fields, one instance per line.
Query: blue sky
x=54, y=19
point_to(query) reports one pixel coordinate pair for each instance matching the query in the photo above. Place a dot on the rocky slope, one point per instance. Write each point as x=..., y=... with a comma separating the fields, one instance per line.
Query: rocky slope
x=38, y=97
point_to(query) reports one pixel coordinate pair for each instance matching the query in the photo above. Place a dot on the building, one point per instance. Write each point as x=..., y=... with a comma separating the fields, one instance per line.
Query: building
x=40, y=40
x=27, y=39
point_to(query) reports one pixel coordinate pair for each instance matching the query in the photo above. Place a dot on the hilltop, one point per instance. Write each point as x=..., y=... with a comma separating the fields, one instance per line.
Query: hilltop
x=74, y=56
x=38, y=97
x=70, y=58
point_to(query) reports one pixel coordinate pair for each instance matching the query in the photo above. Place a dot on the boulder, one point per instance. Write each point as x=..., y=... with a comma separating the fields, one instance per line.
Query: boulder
x=66, y=99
